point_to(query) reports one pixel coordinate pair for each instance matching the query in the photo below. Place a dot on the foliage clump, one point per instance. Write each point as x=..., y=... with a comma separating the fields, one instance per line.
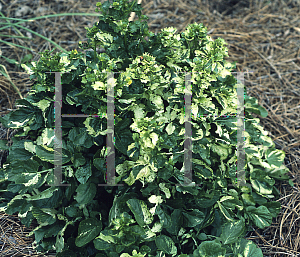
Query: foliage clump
x=154, y=214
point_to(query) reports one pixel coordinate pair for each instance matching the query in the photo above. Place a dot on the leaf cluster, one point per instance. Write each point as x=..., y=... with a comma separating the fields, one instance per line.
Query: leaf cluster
x=154, y=214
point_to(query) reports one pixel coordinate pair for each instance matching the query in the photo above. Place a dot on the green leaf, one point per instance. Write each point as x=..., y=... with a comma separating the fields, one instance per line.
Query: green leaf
x=261, y=183
x=279, y=173
x=166, y=244
x=14, y=205
x=251, y=105
x=44, y=216
x=211, y=249
x=18, y=153
x=232, y=231
x=210, y=200
x=140, y=211
x=275, y=156
x=60, y=242
x=248, y=199
x=248, y=249
x=123, y=137
x=225, y=212
x=222, y=150
x=71, y=211
x=260, y=216
x=274, y=208
x=78, y=160
x=83, y=173
x=47, y=154
x=170, y=128
x=43, y=195
x=85, y=193
x=83, y=139
x=193, y=218
x=88, y=229
x=47, y=138
x=231, y=202
x=17, y=119
x=26, y=58
x=105, y=240
x=47, y=231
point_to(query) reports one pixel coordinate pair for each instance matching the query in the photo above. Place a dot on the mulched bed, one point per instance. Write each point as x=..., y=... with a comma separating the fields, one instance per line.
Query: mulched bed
x=263, y=38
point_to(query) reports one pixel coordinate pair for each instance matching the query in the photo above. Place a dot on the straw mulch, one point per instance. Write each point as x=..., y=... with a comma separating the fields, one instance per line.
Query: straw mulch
x=262, y=36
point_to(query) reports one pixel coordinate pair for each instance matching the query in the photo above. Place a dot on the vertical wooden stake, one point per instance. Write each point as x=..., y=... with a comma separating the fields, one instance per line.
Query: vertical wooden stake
x=133, y=13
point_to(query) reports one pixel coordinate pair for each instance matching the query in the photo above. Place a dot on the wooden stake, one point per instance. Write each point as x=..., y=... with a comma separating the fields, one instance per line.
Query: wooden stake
x=133, y=13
